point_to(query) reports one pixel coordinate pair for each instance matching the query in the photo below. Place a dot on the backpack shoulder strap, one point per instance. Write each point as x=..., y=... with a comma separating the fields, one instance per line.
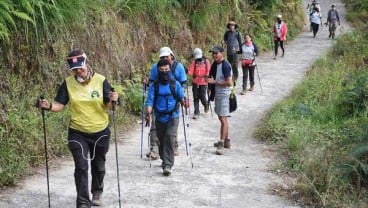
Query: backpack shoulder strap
x=172, y=89
x=173, y=68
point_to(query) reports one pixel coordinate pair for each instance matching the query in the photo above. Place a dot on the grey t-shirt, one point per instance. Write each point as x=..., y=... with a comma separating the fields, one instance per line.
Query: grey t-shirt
x=232, y=41
x=221, y=91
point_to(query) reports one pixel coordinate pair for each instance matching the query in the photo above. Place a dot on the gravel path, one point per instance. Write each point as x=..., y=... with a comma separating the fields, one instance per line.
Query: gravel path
x=240, y=178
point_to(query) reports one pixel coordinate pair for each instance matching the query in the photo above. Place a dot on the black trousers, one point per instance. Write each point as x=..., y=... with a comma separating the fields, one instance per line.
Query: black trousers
x=277, y=43
x=199, y=94
x=233, y=60
x=97, y=145
x=248, y=69
x=167, y=133
x=315, y=28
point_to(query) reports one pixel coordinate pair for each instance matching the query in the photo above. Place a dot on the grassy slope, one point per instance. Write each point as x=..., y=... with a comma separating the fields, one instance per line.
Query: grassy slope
x=322, y=127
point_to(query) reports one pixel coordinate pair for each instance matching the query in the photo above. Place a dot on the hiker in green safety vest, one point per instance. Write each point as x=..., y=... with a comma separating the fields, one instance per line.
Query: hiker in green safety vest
x=164, y=98
x=233, y=40
x=90, y=96
x=220, y=83
x=199, y=70
x=177, y=72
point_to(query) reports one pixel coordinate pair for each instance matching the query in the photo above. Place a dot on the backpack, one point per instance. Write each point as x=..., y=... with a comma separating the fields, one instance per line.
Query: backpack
x=172, y=84
x=195, y=65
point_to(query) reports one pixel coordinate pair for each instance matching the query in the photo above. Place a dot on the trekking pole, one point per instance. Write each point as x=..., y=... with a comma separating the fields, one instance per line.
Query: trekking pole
x=46, y=155
x=259, y=79
x=209, y=102
x=149, y=142
x=188, y=96
x=186, y=124
x=142, y=116
x=116, y=146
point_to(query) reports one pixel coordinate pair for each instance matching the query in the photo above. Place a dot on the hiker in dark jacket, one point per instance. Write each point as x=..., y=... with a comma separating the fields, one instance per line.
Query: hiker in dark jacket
x=248, y=50
x=332, y=18
x=163, y=100
x=233, y=41
x=199, y=69
x=220, y=85
x=177, y=72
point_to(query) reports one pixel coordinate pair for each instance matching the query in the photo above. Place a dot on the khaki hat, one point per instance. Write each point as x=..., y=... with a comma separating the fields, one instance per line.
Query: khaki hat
x=231, y=23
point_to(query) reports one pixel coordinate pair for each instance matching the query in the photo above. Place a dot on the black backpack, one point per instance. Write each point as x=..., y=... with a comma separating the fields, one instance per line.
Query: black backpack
x=172, y=84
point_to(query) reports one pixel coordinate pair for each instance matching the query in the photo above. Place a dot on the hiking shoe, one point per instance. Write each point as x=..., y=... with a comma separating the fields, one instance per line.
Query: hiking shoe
x=274, y=58
x=83, y=206
x=195, y=116
x=227, y=144
x=206, y=108
x=167, y=171
x=283, y=53
x=220, y=148
x=153, y=155
x=243, y=92
x=96, y=200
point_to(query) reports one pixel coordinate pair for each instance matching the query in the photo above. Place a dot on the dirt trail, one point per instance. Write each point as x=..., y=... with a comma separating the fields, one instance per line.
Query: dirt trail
x=240, y=178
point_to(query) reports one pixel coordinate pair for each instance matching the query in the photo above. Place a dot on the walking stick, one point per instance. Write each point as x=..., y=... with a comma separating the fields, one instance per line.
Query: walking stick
x=45, y=142
x=186, y=124
x=116, y=147
x=209, y=102
x=149, y=142
x=259, y=79
x=142, y=116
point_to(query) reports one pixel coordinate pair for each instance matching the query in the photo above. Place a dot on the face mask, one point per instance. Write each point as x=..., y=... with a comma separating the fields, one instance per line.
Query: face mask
x=279, y=21
x=163, y=77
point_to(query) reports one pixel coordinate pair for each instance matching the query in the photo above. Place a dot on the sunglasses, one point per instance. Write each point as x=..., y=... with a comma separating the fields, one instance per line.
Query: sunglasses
x=164, y=57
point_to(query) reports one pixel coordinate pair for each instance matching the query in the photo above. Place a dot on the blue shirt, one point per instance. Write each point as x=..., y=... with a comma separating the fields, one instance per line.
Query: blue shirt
x=179, y=75
x=165, y=102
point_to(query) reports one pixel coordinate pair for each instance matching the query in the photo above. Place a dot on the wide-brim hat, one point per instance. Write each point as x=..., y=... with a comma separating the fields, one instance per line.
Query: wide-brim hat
x=165, y=51
x=231, y=23
x=77, y=62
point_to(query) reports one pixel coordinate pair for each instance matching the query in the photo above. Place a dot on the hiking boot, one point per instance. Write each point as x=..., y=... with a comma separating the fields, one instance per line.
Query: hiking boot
x=329, y=35
x=227, y=144
x=282, y=55
x=206, y=108
x=220, y=148
x=96, y=200
x=153, y=155
x=167, y=171
x=195, y=116
x=83, y=206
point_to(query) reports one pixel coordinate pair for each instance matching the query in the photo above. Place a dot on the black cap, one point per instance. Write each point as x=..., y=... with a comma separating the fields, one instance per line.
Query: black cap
x=217, y=49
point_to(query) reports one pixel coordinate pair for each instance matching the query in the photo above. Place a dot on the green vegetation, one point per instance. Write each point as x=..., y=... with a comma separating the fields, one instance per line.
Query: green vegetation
x=121, y=39
x=322, y=128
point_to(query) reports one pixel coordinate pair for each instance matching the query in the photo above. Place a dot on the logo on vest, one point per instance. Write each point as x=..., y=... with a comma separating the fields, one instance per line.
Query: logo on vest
x=95, y=94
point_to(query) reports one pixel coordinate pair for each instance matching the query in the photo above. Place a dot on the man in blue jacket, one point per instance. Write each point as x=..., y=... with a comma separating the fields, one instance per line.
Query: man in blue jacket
x=177, y=72
x=164, y=98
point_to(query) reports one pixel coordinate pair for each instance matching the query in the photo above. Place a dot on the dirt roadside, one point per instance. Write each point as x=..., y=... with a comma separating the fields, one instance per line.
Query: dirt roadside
x=240, y=178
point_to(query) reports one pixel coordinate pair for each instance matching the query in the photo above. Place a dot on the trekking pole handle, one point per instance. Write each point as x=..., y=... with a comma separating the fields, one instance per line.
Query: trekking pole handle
x=113, y=102
x=37, y=103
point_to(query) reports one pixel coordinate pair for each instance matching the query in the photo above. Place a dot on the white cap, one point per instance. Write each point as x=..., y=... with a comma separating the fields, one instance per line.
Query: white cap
x=165, y=51
x=197, y=53
x=279, y=16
